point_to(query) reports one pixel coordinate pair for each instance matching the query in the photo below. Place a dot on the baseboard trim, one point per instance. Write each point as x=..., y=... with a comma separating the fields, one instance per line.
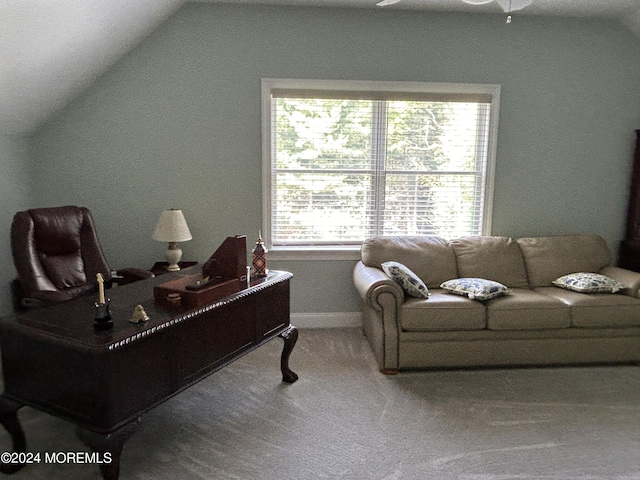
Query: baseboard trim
x=327, y=320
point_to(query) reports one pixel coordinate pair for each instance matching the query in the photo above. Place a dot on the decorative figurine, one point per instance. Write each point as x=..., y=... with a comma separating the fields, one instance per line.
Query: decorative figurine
x=139, y=315
x=259, y=258
x=102, y=319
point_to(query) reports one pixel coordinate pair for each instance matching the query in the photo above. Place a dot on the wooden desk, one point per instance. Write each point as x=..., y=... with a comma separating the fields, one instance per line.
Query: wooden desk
x=54, y=360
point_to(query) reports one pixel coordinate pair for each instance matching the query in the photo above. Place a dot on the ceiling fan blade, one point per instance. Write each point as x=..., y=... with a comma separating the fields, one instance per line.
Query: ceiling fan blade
x=513, y=5
x=384, y=3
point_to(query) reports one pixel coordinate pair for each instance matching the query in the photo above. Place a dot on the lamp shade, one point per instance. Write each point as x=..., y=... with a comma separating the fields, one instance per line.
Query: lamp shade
x=172, y=227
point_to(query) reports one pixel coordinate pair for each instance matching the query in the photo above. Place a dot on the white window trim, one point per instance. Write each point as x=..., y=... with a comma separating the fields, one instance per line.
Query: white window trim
x=353, y=252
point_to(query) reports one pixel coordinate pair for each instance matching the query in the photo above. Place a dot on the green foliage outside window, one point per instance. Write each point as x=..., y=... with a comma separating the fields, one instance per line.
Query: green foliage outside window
x=344, y=170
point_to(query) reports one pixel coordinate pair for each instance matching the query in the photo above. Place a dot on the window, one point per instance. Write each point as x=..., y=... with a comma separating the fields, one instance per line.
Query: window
x=344, y=161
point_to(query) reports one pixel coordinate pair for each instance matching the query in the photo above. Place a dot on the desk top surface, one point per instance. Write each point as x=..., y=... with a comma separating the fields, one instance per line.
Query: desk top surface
x=73, y=321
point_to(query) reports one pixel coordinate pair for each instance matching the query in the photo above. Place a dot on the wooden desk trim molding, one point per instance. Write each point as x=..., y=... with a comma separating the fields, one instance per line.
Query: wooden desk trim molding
x=199, y=311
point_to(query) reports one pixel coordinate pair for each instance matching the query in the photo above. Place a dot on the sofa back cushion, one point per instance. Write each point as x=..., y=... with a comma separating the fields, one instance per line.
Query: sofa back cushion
x=492, y=258
x=548, y=258
x=431, y=258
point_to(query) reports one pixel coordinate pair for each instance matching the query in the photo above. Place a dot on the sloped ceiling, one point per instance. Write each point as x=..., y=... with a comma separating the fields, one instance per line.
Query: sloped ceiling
x=51, y=50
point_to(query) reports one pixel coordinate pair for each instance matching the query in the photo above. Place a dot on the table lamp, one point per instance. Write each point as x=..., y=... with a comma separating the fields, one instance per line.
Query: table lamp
x=172, y=228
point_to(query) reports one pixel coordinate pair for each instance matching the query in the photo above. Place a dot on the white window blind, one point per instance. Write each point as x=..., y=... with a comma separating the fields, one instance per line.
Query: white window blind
x=344, y=164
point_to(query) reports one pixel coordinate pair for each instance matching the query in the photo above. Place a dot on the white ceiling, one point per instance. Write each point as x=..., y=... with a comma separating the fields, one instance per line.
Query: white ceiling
x=50, y=50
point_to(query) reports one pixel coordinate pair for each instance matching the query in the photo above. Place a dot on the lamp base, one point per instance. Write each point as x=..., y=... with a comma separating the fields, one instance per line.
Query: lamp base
x=173, y=255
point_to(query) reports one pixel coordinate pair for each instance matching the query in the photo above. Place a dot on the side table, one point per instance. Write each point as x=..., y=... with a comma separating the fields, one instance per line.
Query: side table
x=160, y=268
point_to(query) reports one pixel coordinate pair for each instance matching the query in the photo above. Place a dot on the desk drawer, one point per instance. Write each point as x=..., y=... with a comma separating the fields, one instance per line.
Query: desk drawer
x=272, y=311
x=205, y=342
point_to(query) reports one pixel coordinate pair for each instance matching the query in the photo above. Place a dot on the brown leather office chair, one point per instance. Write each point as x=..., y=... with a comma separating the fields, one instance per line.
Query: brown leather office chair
x=57, y=255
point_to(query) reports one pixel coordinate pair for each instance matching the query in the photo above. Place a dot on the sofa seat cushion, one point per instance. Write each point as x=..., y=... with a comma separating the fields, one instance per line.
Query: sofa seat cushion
x=597, y=310
x=494, y=258
x=526, y=309
x=442, y=312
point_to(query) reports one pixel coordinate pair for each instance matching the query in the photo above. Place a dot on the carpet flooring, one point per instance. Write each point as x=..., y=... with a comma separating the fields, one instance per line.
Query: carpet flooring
x=345, y=420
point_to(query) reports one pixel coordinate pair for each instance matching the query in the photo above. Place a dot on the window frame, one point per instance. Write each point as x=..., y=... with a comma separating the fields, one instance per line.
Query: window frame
x=337, y=251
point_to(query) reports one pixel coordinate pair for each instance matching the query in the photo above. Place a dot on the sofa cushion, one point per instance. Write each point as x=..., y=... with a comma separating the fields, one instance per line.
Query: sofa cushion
x=475, y=288
x=430, y=258
x=548, y=258
x=597, y=310
x=526, y=309
x=409, y=281
x=493, y=258
x=586, y=282
x=442, y=312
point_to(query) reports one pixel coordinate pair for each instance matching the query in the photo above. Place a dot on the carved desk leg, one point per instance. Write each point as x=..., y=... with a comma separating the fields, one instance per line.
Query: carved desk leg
x=110, y=444
x=290, y=337
x=9, y=420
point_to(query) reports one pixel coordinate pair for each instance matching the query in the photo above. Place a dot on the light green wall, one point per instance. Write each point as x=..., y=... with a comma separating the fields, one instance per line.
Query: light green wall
x=15, y=194
x=176, y=123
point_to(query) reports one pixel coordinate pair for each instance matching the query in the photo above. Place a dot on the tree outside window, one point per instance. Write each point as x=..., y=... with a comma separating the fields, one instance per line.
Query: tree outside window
x=345, y=165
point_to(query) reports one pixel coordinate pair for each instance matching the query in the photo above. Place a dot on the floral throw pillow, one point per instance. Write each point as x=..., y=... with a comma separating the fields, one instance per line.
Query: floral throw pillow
x=588, y=283
x=409, y=281
x=475, y=288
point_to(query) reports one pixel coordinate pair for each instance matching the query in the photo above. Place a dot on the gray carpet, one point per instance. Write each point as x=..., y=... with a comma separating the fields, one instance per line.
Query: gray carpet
x=345, y=420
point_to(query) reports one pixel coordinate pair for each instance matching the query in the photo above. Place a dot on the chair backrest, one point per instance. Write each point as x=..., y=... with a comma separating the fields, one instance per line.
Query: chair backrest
x=57, y=249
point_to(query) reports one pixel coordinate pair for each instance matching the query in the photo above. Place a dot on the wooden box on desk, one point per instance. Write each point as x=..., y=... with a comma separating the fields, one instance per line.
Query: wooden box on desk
x=222, y=275
x=176, y=291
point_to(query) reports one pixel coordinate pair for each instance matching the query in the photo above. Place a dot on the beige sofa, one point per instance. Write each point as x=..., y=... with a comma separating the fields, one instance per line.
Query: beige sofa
x=536, y=323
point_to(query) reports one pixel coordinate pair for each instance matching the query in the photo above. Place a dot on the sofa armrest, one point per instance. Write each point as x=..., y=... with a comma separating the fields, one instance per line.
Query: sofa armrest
x=382, y=298
x=372, y=282
x=627, y=277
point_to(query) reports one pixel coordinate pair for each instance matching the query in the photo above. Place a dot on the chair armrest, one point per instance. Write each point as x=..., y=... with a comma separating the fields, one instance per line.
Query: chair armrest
x=372, y=282
x=131, y=274
x=627, y=277
x=45, y=298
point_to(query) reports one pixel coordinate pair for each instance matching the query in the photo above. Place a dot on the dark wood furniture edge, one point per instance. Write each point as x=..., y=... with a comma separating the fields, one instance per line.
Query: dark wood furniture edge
x=108, y=446
x=629, y=255
x=290, y=337
x=9, y=420
x=197, y=311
